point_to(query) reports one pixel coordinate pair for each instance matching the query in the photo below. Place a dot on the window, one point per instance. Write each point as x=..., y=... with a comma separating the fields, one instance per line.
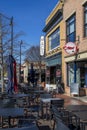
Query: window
x=70, y=73
x=71, y=29
x=85, y=20
x=54, y=39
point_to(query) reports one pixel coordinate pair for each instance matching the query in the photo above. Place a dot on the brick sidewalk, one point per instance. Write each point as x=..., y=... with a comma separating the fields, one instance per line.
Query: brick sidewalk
x=45, y=124
x=70, y=100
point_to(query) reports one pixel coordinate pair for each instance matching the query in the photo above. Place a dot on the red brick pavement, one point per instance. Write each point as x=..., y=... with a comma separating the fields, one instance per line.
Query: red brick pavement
x=70, y=100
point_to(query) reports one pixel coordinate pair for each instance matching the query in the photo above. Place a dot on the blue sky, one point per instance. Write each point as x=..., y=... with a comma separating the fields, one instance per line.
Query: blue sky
x=29, y=16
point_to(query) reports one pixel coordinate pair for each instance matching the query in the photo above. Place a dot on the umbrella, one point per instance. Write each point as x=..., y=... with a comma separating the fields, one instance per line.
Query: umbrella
x=10, y=60
x=15, y=78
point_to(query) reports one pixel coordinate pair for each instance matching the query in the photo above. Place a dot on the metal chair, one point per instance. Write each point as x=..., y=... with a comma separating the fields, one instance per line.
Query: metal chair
x=60, y=125
x=70, y=120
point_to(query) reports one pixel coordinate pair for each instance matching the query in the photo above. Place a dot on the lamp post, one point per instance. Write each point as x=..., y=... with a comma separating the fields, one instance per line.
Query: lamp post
x=11, y=24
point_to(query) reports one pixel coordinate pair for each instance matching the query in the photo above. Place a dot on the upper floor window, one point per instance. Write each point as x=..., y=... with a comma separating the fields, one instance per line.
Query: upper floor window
x=85, y=20
x=54, y=39
x=71, y=29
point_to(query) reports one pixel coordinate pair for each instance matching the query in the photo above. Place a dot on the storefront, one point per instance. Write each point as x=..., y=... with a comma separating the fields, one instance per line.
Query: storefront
x=77, y=72
x=53, y=70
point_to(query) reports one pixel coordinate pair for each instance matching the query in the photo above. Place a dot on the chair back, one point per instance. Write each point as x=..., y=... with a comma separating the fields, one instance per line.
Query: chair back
x=58, y=103
x=60, y=125
x=47, y=95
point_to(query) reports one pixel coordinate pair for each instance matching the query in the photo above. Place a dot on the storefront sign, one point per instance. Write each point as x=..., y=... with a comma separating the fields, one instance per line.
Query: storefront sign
x=58, y=73
x=42, y=45
x=70, y=48
x=47, y=73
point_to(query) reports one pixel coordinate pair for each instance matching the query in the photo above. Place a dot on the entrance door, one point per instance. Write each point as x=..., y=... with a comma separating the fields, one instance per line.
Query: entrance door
x=53, y=74
x=82, y=75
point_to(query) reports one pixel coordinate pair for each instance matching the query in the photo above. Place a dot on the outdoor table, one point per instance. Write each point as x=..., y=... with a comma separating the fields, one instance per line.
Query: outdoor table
x=6, y=103
x=47, y=101
x=80, y=111
x=20, y=95
x=39, y=91
x=82, y=115
x=77, y=108
x=22, y=128
x=11, y=112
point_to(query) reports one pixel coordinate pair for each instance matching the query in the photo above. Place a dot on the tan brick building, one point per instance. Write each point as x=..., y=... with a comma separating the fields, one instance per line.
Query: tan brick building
x=75, y=26
x=54, y=55
x=69, y=55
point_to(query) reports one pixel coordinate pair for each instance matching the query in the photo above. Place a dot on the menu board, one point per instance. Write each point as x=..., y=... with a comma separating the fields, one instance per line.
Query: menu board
x=74, y=88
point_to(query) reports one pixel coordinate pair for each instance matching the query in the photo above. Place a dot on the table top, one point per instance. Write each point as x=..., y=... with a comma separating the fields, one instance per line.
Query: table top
x=13, y=112
x=20, y=95
x=22, y=128
x=39, y=91
x=81, y=114
x=46, y=100
x=77, y=108
x=7, y=103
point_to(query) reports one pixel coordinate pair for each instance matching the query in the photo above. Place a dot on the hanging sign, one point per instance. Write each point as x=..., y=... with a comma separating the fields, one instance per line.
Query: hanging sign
x=70, y=48
x=42, y=45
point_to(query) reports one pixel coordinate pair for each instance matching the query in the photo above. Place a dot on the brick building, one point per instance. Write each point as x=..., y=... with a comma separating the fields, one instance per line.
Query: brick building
x=75, y=26
x=66, y=44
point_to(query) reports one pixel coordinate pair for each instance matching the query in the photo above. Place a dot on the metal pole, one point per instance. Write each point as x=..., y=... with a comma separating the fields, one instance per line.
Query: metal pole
x=1, y=56
x=11, y=24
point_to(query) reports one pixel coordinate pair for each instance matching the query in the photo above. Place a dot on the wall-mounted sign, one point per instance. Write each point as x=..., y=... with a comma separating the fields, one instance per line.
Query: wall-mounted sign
x=47, y=73
x=42, y=45
x=58, y=73
x=70, y=48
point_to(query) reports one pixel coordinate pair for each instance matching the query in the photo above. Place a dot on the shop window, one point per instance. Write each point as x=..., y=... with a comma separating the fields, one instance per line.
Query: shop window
x=71, y=29
x=54, y=39
x=81, y=73
x=85, y=20
x=70, y=73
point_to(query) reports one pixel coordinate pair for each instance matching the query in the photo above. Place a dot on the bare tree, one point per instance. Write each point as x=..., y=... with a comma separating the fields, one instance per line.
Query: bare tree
x=33, y=55
x=8, y=42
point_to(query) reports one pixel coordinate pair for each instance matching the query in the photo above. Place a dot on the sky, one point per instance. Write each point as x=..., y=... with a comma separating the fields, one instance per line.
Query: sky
x=29, y=17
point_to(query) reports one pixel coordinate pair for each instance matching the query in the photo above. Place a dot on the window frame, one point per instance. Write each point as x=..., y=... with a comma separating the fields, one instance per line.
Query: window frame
x=85, y=23
x=69, y=22
x=50, y=43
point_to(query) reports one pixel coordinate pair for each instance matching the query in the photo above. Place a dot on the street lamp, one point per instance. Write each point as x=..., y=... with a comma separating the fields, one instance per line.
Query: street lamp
x=11, y=24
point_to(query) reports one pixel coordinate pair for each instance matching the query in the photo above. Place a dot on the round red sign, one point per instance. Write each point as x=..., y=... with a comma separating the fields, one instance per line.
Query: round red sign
x=70, y=48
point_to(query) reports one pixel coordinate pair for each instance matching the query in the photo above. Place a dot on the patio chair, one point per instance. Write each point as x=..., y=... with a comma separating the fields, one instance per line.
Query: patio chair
x=66, y=117
x=58, y=103
x=31, y=116
x=44, y=105
x=60, y=125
